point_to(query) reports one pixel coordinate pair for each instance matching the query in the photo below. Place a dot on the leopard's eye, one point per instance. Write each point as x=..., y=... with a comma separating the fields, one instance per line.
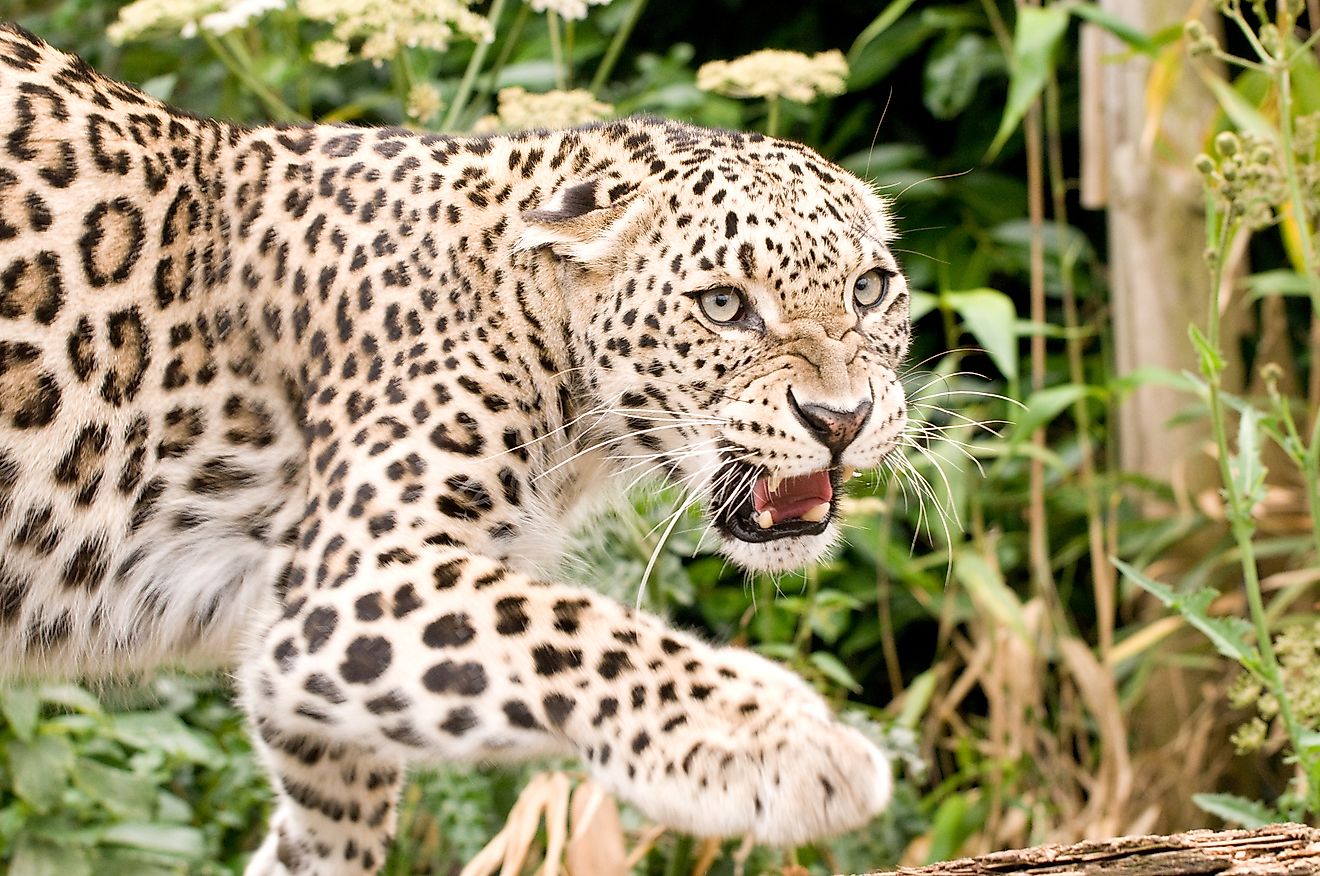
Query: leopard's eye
x=870, y=288
x=722, y=304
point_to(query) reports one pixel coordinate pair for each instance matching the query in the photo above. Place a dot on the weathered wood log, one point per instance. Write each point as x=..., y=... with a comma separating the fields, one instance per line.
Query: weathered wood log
x=1277, y=850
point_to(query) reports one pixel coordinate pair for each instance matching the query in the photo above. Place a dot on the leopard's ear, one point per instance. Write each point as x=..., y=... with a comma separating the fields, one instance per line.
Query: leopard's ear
x=587, y=221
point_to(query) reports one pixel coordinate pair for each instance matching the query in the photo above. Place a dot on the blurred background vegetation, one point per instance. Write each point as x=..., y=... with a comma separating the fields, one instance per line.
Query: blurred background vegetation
x=1082, y=602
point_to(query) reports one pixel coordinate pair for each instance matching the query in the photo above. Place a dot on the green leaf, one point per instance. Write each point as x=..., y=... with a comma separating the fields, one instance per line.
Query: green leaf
x=1212, y=362
x=1247, y=469
x=833, y=669
x=953, y=72
x=1238, y=810
x=985, y=584
x=876, y=59
x=37, y=857
x=1117, y=27
x=166, y=732
x=917, y=698
x=948, y=830
x=1046, y=404
x=1035, y=38
x=991, y=318
x=1244, y=115
x=1278, y=282
x=70, y=697
x=1228, y=634
x=40, y=770
x=881, y=23
x=22, y=708
x=186, y=842
x=125, y=794
x=920, y=304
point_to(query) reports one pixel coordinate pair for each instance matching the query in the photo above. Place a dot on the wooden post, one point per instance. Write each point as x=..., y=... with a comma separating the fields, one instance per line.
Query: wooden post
x=1276, y=850
x=1137, y=163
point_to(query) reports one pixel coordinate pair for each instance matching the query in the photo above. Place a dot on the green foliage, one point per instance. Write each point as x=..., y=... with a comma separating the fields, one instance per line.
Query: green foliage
x=165, y=783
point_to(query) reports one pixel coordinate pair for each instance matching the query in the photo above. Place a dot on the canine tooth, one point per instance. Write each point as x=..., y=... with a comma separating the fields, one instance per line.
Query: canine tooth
x=765, y=519
x=848, y=472
x=774, y=480
x=817, y=514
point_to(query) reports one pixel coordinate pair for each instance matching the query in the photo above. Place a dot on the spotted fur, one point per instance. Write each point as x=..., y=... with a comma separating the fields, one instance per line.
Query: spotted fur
x=323, y=402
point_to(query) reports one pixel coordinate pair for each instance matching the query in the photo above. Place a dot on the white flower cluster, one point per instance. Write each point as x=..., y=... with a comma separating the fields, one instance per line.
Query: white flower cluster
x=572, y=10
x=233, y=16
x=520, y=109
x=187, y=17
x=145, y=16
x=384, y=27
x=772, y=73
x=424, y=102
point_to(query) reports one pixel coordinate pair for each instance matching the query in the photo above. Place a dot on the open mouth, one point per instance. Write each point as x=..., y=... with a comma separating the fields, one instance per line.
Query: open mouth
x=778, y=507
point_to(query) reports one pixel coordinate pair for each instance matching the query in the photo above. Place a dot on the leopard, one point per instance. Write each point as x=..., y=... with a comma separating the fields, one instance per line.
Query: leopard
x=321, y=406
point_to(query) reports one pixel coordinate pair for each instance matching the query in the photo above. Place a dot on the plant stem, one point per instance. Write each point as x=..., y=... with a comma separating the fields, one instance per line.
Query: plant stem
x=470, y=72
x=1103, y=584
x=557, y=49
x=569, y=31
x=1242, y=527
x=510, y=41
x=802, y=640
x=238, y=62
x=680, y=856
x=616, y=47
x=1038, y=533
x=772, y=116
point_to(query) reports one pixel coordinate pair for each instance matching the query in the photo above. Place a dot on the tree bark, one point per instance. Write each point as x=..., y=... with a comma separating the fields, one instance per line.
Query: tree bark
x=1276, y=850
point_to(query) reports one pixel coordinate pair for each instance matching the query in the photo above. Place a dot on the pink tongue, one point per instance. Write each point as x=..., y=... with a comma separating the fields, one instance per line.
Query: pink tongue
x=795, y=496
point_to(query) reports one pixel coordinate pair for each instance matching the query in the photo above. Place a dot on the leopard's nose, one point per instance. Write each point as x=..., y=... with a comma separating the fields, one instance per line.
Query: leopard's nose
x=834, y=428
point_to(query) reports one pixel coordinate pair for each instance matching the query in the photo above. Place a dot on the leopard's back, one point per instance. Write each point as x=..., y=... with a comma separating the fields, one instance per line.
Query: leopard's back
x=150, y=461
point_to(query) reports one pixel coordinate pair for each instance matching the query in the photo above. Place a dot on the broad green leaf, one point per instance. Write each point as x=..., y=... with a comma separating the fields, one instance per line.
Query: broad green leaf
x=1212, y=362
x=1228, y=634
x=1246, y=466
x=916, y=698
x=1278, y=282
x=1151, y=375
x=1036, y=36
x=121, y=861
x=1244, y=115
x=990, y=317
x=168, y=839
x=920, y=304
x=1238, y=810
x=948, y=830
x=40, y=770
x=1046, y=404
x=881, y=23
x=985, y=584
x=1117, y=27
x=1308, y=742
x=22, y=708
x=125, y=794
x=833, y=669
x=878, y=58
x=37, y=857
x=164, y=731
x=953, y=72
x=70, y=697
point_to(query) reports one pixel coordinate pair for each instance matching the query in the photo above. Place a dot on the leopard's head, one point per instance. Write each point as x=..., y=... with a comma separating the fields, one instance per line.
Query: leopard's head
x=742, y=320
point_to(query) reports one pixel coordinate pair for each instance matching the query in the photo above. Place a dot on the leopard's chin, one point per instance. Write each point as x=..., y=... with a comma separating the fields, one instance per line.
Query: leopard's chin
x=789, y=553
x=776, y=524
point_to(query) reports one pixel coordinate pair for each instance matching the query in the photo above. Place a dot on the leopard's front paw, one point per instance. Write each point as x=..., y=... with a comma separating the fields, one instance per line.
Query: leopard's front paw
x=786, y=775
x=822, y=778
